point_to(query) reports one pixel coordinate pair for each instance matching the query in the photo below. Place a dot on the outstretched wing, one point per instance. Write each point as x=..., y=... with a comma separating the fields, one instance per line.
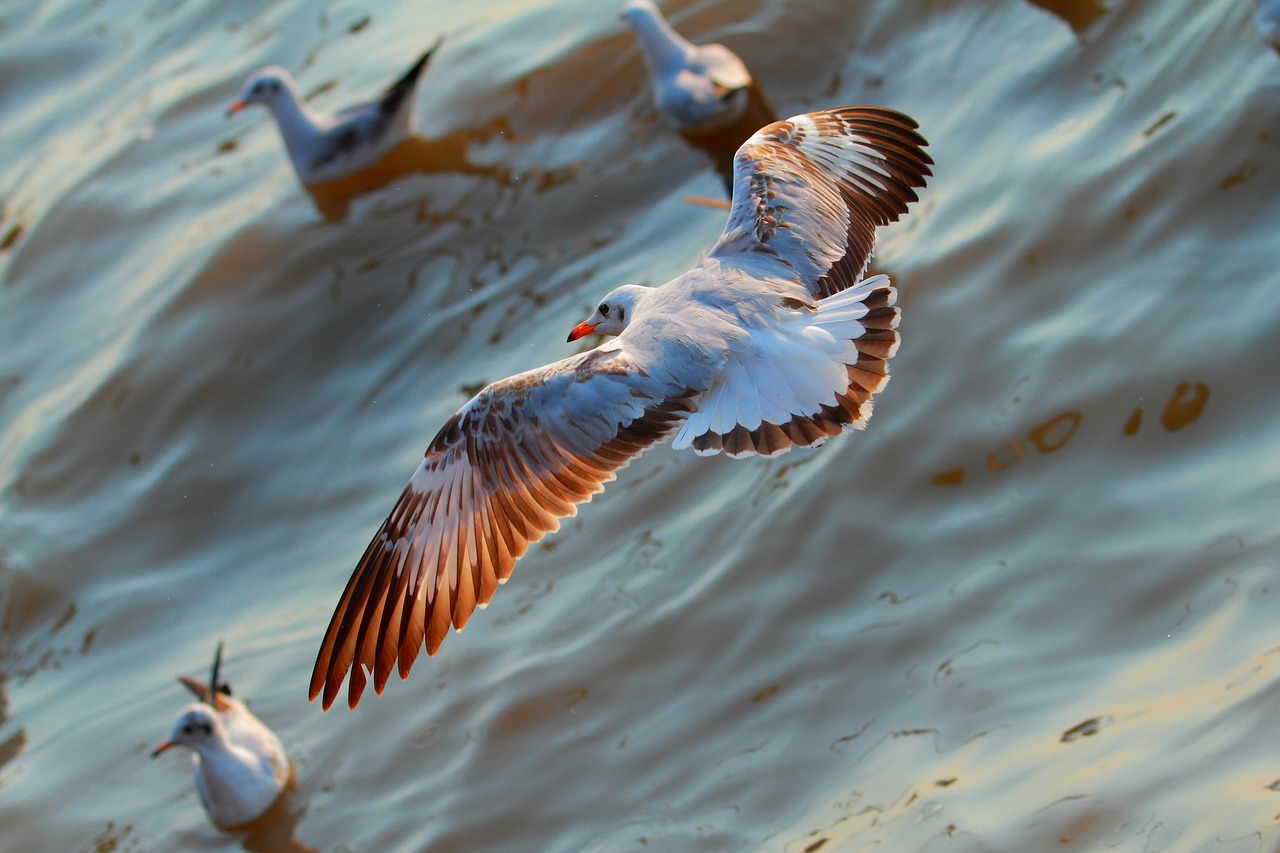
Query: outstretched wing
x=499, y=476
x=811, y=190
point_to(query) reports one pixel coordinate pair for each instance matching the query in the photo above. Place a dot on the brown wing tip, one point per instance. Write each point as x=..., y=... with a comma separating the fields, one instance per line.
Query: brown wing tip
x=355, y=686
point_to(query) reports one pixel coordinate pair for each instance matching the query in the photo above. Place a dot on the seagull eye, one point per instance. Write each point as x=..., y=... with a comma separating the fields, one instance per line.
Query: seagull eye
x=604, y=309
x=257, y=88
x=186, y=730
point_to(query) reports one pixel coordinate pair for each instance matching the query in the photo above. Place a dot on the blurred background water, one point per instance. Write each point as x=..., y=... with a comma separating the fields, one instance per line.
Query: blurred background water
x=1032, y=607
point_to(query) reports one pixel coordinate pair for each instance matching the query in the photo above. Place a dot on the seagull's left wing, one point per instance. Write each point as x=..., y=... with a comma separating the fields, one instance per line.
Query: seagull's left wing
x=500, y=474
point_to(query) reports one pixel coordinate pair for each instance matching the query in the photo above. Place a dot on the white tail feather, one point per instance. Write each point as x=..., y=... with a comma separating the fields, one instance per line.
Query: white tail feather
x=792, y=369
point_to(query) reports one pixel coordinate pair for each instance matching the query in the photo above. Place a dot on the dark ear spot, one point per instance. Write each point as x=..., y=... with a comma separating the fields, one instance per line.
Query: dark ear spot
x=622, y=314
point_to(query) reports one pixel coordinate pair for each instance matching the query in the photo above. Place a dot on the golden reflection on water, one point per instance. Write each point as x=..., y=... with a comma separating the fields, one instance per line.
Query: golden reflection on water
x=274, y=831
x=1053, y=434
x=950, y=477
x=1005, y=456
x=1134, y=423
x=722, y=143
x=267, y=372
x=1078, y=13
x=417, y=155
x=1185, y=406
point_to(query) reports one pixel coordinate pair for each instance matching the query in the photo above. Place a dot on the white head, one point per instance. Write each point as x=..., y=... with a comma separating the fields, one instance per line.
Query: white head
x=198, y=728
x=613, y=313
x=264, y=86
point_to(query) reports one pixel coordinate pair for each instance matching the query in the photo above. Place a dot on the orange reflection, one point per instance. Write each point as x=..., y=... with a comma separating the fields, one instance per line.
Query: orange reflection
x=1078, y=13
x=1054, y=433
x=273, y=832
x=722, y=143
x=1134, y=423
x=416, y=155
x=953, y=477
x=1183, y=409
x=1005, y=456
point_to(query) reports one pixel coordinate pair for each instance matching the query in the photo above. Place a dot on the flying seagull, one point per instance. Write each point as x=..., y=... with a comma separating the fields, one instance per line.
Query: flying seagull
x=773, y=339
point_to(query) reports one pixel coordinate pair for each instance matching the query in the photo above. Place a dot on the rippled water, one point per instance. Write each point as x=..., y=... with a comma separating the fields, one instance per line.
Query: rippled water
x=1032, y=607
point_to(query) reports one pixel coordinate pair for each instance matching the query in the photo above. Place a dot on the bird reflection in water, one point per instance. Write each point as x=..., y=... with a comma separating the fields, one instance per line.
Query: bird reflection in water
x=274, y=831
x=1078, y=13
x=721, y=143
x=417, y=155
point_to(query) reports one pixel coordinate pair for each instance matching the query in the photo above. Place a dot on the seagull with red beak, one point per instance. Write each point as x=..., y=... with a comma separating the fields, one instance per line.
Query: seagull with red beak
x=241, y=766
x=776, y=338
x=610, y=316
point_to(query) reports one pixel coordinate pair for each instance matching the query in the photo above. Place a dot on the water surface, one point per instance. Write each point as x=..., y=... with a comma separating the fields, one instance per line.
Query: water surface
x=1031, y=607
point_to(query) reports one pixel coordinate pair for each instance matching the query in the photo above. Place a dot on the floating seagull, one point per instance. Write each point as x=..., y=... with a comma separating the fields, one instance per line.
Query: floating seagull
x=328, y=146
x=773, y=339
x=241, y=766
x=1266, y=16
x=696, y=87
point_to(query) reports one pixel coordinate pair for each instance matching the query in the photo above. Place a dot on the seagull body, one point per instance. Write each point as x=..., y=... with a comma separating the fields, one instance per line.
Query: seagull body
x=1266, y=16
x=241, y=766
x=696, y=87
x=774, y=339
x=328, y=146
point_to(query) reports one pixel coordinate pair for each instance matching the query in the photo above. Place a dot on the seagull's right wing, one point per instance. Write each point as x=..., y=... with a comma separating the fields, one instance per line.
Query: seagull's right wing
x=500, y=474
x=810, y=192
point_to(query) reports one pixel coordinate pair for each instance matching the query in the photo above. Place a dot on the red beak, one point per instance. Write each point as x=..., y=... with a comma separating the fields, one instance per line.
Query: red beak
x=235, y=107
x=161, y=748
x=582, y=330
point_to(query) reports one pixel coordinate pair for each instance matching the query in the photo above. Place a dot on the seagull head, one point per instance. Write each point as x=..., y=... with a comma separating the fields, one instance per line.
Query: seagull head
x=613, y=313
x=197, y=727
x=264, y=86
